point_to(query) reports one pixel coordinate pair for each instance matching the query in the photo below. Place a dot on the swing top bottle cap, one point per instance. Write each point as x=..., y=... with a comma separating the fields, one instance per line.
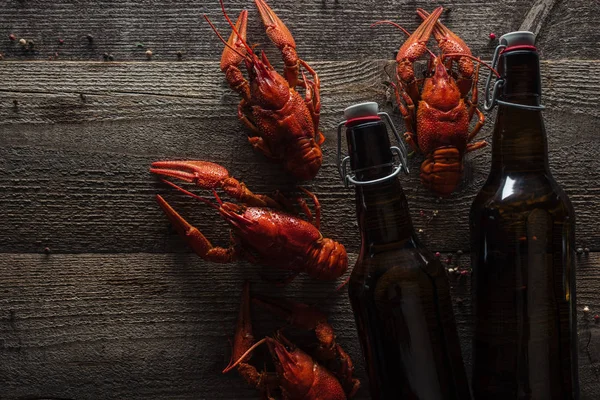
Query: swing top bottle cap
x=361, y=110
x=518, y=38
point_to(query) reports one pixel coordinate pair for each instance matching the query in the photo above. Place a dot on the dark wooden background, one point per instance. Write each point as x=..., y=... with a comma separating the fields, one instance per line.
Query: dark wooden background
x=119, y=308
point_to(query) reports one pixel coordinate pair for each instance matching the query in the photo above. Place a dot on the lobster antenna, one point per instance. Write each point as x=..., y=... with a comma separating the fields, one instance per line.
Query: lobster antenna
x=407, y=33
x=233, y=27
x=221, y=37
x=479, y=60
x=239, y=360
x=390, y=23
x=195, y=196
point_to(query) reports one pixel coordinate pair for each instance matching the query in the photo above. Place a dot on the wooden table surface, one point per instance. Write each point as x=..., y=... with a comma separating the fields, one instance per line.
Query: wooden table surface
x=120, y=308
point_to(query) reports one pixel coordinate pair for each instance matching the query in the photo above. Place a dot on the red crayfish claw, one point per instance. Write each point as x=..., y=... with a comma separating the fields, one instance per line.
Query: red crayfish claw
x=283, y=39
x=412, y=49
x=208, y=175
x=243, y=342
x=450, y=43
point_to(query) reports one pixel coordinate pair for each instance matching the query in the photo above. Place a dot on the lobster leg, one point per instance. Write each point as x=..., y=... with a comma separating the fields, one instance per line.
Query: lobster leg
x=313, y=98
x=408, y=115
x=243, y=116
x=473, y=107
x=283, y=39
x=209, y=175
x=258, y=143
x=475, y=146
x=194, y=238
x=307, y=317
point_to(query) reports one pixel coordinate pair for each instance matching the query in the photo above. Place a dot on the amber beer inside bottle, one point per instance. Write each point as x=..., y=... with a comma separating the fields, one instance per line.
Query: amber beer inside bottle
x=399, y=291
x=522, y=237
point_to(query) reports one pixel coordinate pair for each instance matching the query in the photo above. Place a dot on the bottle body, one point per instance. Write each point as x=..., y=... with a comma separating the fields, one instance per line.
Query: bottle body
x=522, y=253
x=401, y=301
x=524, y=292
x=399, y=291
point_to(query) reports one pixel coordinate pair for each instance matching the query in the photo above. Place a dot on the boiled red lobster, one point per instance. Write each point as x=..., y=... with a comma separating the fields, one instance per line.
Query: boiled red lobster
x=283, y=125
x=263, y=233
x=438, y=109
x=298, y=375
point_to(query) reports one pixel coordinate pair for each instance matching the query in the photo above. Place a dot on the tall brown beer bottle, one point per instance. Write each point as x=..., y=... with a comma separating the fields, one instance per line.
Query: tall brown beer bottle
x=522, y=237
x=399, y=291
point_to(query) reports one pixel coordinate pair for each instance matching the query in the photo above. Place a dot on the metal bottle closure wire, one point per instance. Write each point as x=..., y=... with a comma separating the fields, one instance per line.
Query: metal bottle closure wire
x=350, y=177
x=490, y=103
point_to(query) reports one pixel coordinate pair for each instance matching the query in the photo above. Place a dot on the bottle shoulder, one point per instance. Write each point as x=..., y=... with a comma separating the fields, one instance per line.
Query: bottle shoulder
x=403, y=264
x=522, y=192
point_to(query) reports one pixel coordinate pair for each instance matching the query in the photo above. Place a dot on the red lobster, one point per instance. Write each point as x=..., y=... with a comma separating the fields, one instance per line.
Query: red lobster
x=283, y=125
x=263, y=233
x=298, y=376
x=437, y=115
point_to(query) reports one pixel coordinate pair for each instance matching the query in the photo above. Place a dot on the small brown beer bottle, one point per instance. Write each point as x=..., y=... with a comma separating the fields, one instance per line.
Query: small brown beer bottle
x=522, y=238
x=399, y=291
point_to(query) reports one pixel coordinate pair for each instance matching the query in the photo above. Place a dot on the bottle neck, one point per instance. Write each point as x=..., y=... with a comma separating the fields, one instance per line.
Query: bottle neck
x=383, y=214
x=519, y=141
x=381, y=208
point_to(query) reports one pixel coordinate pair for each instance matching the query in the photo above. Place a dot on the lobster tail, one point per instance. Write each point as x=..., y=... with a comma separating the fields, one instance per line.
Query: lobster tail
x=329, y=260
x=304, y=159
x=442, y=170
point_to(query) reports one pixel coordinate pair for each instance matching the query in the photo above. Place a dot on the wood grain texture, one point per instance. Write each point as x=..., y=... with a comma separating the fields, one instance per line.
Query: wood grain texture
x=168, y=26
x=571, y=30
x=53, y=92
x=535, y=18
x=156, y=326
x=73, y=170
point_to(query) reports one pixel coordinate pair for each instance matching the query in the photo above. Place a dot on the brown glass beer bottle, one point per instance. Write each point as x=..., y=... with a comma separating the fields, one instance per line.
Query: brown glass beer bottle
x=522, y=237
x=399, y=291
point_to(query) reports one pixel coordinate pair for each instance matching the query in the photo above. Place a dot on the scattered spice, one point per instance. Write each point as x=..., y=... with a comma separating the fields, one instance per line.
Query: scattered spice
x=89, y=37
x=579, y=250
x=22, y=42
x=47, y=250
x=12, y=37
x=586, y=309
x=179, y=55
x=149, y=54
x=492, y=36
x=61, y=41
x=111, y=58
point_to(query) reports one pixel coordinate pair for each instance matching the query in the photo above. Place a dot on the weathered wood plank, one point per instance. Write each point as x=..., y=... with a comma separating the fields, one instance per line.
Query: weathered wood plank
x=143, y=91
x=51, y=92
x=571, y=30
x=323, y=30
x=85, y=188
x=535, y=18
x=139, y=325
